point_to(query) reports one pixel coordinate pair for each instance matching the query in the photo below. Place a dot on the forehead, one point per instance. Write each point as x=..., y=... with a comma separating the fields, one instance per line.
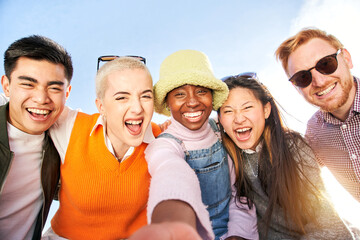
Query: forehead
x=39, y=69
x=189, y=87
x=129, y=80
x=240, y=95
x=307, y=55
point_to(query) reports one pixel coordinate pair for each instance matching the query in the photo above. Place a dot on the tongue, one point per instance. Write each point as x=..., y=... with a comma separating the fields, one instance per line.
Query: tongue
x=38, y=116
x=134, y=128
x=243, y=135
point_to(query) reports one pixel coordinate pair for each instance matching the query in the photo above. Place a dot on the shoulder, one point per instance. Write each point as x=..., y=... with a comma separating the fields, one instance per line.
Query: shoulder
x=155, y=129
x=301, y=150
x=315, y=119
x=3, y=99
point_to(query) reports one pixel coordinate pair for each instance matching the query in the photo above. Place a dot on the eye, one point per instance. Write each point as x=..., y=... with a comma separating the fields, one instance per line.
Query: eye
x=25, y=84
x=56, y=89
x=120, y=98
x=202, y=91
x=148, y=96
x=227, y=111
x=179, y=94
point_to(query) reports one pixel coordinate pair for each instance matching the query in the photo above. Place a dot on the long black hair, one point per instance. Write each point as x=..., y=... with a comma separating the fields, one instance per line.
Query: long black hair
x=280, y=161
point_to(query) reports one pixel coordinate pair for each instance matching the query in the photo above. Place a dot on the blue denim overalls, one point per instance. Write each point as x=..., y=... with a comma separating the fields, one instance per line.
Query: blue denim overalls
x=212, y=169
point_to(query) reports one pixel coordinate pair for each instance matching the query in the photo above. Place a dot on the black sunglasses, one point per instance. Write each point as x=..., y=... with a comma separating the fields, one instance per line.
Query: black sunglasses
x=252, y=75
x=326, y=65
x=112, y=57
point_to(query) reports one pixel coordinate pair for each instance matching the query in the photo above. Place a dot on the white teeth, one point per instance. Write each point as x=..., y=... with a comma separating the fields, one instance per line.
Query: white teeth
x=192, y=114
x=242, y=130
x=326, y=90
x=133, y=122
x=38, y=111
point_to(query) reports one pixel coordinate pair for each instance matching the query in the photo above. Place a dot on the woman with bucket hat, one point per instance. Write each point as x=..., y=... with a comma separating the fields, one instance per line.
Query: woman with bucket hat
x=188, y=91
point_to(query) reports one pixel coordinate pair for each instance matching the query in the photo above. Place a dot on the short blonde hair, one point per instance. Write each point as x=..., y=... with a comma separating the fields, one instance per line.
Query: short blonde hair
x=118, y=64
x=291, y=44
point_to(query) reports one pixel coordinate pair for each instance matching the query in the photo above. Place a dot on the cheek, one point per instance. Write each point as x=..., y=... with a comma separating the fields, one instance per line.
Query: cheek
x=149, y=107
x=209, y=102
x=226, y=123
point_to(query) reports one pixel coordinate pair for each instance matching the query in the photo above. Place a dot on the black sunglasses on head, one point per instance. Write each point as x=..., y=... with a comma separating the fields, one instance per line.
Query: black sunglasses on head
x=252, y=75
x=326, y=65
x=108, y=58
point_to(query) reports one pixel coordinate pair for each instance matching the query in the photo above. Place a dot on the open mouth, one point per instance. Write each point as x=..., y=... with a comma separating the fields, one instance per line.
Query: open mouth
x=193, y=116
x=38, y=113
x=326, y=91
x=134, y=126
x=243, y=134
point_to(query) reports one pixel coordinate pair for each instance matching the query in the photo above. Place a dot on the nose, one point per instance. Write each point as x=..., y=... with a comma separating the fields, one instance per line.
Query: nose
x=239, y=117
x=136, y=106
x=41, y=96
x=192, y=101
x=318, y=79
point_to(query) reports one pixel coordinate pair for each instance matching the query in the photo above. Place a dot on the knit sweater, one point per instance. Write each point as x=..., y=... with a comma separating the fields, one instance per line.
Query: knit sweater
x=329, y=225
x=100, y=198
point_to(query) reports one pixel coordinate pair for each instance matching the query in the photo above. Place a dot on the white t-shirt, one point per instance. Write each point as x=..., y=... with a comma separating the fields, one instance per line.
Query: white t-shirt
x=21, y=197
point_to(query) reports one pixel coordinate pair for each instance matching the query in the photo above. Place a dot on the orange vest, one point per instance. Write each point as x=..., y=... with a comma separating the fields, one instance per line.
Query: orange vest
x=100, y=198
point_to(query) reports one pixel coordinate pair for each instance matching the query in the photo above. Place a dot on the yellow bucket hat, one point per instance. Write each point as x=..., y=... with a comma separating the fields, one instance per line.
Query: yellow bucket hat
x=187, y=67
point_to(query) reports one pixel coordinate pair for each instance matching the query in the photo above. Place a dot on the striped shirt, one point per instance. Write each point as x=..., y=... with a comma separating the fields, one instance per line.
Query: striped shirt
x=337, y=144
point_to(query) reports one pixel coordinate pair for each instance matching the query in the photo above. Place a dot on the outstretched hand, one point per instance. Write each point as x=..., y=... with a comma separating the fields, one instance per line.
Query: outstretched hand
x=166, y=231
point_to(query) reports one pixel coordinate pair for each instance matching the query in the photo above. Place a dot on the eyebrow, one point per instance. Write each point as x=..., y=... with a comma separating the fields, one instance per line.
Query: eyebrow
x=230, y=106
x=36, y=81
x=127, y=93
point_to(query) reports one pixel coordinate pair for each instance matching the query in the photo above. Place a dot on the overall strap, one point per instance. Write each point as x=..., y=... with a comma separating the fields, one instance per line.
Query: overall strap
x=168, y=135
x=215, y=128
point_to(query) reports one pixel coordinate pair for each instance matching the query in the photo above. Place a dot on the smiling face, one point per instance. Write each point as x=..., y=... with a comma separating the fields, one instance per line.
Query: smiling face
x=128, y=106
x=38, y=91
x=243, y=117
x=332, y=93
x=190, y=105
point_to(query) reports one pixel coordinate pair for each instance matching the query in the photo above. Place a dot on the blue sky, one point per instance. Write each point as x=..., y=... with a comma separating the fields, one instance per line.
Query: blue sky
x=237, y=35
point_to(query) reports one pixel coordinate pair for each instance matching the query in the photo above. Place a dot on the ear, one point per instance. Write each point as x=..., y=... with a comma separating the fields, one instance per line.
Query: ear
x=5, y=82
x=347, y=58
x=100, y=106
x=68, y=89
x=267, y=110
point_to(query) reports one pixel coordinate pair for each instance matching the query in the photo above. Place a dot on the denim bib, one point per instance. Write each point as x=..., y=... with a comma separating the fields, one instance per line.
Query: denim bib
x=212, y=169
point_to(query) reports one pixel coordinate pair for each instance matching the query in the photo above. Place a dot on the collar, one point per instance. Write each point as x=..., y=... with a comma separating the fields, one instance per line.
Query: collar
x=355, y=108
x=148, y=137
x=257, y=149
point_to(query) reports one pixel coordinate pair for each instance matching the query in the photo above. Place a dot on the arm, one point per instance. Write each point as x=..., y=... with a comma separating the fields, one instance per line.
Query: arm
x=174, y=183
x=328, y=223
x=60, y=132
x=242, y=220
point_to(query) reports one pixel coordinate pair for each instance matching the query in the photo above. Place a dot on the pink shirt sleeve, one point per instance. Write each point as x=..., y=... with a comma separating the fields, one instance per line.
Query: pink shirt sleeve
x=173, y=179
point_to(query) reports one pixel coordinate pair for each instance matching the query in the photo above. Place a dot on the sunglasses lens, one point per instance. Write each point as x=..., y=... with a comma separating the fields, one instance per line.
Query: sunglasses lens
x=327, y=65
x=301, y=79
x=108, y=58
